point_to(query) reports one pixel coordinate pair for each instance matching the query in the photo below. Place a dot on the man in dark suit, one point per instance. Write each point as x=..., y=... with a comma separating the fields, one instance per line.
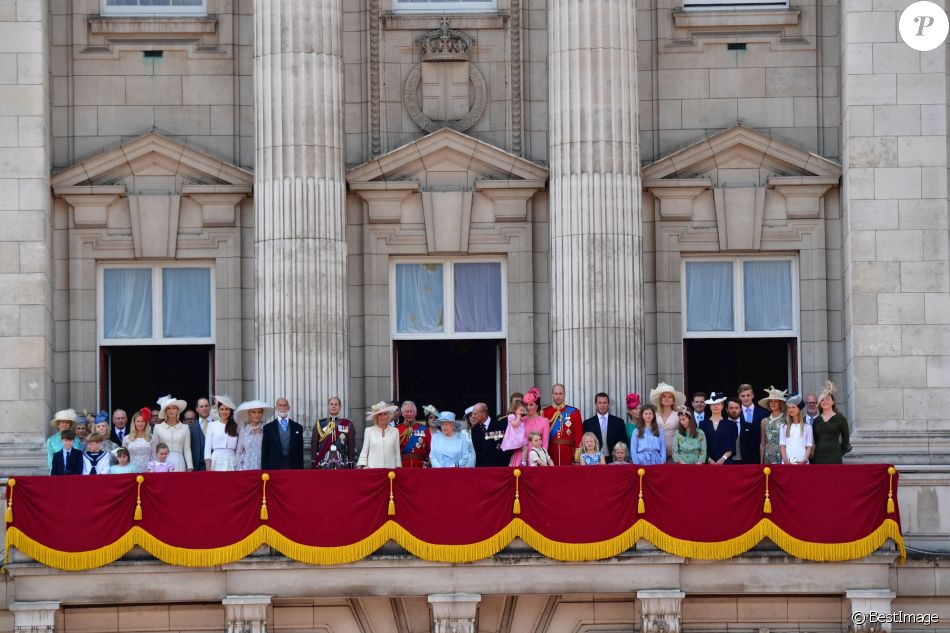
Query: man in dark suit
x=69, y=460
x=487, y=435
x=282, y=443
x=751, y=416
x=120, y=422
x=198, y=429
x=609, y=429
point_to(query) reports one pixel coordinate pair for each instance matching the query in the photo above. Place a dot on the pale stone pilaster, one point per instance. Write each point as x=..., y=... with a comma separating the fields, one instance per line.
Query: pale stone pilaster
x=34, y=617
x=596, y=293
x=868, y=608
x=454, y=612
x=300, y=201
x=246, y=614
x=661, y=610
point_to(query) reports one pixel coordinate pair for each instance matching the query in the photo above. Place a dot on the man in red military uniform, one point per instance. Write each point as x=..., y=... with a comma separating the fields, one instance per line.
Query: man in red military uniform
x=414, y=437
x=567, y=428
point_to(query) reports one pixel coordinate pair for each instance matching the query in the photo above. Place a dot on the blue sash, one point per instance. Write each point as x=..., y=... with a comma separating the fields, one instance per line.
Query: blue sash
x=558, y=418
x=412, y=441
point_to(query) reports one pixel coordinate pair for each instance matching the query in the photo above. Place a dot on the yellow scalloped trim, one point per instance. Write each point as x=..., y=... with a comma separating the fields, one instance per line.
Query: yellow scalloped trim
x=314, y=555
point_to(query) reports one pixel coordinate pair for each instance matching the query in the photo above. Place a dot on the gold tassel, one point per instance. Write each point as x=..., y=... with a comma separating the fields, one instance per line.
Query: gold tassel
x=264, y=478
x=516, y=508
x=8, y=516
x=138, y=499
x=890, y=490
x=641, y=507
x=391, y=511
x=767, y=509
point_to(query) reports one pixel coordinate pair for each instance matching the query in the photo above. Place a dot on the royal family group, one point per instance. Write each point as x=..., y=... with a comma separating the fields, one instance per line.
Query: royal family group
x=219, y=435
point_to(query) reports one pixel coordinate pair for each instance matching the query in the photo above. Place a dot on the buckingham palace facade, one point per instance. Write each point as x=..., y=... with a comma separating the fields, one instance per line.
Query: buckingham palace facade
x=454, y=200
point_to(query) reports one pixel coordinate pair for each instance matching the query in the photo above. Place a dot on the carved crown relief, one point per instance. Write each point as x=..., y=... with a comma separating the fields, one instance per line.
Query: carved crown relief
x=453, y=91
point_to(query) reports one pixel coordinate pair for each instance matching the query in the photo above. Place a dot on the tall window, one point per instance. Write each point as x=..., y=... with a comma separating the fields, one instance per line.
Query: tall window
x=447, y=299
x=444, y=6
x=144, y=305
x=713, y=5
x=740, y=296
x=153, y=7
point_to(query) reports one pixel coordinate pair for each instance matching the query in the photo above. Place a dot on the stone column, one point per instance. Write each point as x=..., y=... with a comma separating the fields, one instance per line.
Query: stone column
x=596, y=294
x=26, y=319
x=454, y=612
x=246, y=614
x=896, y=248
x=661, y=610
x=868, y=608
x=300, y=255
x=34, y=617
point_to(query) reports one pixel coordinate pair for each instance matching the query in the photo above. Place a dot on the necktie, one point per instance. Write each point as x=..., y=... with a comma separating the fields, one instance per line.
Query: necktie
x=66, y=459
x=748, y=414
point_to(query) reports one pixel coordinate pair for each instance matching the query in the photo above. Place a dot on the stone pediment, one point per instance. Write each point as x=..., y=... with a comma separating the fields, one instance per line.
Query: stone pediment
x=446, y=151
x=741, y=148
x=152, y=154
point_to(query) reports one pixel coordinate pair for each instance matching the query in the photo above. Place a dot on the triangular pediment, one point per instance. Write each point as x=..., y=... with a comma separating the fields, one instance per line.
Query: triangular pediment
x=740, y=148
x=152, y=154
x=447, y=150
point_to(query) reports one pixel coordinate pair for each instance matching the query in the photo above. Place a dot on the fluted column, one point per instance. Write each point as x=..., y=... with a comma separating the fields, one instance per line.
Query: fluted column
x=300, y=202
x=596, y=292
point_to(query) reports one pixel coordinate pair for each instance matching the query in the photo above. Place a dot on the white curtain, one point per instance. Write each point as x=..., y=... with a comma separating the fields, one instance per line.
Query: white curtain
x=768, y=295
x=709, y=297
x=186, y=302
x=478, y=297
x=127, y=303
x=419, y=298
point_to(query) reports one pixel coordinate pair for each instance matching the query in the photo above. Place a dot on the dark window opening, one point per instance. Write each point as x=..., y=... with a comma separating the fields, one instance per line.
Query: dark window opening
x=722, y=364
x=135, y=376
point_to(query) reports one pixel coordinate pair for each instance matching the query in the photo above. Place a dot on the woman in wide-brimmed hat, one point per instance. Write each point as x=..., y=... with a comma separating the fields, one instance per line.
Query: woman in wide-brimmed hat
x=830, y=428
x=380, y=440
x=221, y=438
x=251, y=416
x=64, y=420
x=774, y=401
x=666, y=399
x=173, y=433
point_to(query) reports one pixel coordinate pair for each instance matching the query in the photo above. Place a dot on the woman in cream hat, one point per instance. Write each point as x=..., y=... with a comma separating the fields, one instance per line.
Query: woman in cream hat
x=666, y=399
x=251, y=415
x=830, y=429
x=221, y=437
x=774, y=401
x=380, y=440
x=173, y=433
x=64, y=420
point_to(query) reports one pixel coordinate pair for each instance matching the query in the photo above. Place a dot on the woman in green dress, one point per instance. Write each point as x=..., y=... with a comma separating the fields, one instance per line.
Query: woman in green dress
x=633, y=414
x=689, y=445
x=772, y=425
x=830, y=429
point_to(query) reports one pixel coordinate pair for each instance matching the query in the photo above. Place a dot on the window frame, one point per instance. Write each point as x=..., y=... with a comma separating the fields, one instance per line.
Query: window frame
x=735, y=5
x=448, y=298
x=105, y=10
x=738, y=298
x=158, y=324
x=464, y=6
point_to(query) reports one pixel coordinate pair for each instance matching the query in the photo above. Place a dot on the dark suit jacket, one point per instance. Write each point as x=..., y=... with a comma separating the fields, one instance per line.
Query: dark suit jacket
x=616, y=432
x=115, y=436
x=749, y=435
x=197, y=444
x=272, y=458
x=74, y=467
x=487, y=445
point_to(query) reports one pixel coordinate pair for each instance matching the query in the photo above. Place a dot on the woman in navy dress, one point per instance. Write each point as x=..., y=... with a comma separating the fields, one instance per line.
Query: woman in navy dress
x=721, y=434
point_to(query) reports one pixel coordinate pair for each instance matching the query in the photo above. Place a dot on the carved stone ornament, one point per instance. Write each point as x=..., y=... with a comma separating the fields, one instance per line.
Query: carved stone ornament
x=411, y=101
x=444, y=44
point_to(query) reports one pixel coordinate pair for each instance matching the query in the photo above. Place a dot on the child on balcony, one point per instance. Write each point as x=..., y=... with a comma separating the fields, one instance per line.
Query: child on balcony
x=537, y=456
x=161, y=463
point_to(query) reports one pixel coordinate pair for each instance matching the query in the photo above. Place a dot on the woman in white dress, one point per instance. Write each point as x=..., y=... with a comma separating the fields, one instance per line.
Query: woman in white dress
x=380, y=441
x=796, y=440
x=173, y=433
x=139, y=440
x=667, y=400
x=221, y=438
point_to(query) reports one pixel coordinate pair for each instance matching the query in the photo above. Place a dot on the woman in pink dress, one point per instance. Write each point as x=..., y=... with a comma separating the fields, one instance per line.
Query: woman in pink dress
x=519, y=427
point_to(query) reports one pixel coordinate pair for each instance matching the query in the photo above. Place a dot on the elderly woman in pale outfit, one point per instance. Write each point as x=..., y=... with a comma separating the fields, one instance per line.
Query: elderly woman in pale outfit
x=174, y=433
x=63, y=421
x=667, y=401
x=251, y=415
x=380, y=440
x=221, y=437
x=451, y=447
